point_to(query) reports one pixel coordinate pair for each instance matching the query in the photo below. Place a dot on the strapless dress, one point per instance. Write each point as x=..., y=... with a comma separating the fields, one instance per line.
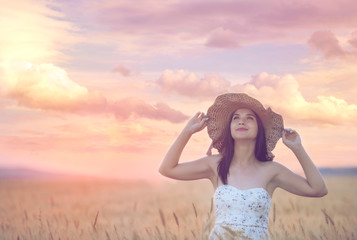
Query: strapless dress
x=241, y=214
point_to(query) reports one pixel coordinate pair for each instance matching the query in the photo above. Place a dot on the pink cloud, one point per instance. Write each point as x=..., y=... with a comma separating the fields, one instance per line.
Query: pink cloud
x=127, y=107
x=48, y=87
x=330, y=81
x=77, y=134
x=353, y=40
x=123, y=70
x=222, y=38
x=327, y=43
x=67, y=151
x=189, y=84
x=282, y=94
x=187, y=25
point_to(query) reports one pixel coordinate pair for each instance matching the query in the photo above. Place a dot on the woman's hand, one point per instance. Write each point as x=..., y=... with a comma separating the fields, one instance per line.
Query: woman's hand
x=196, y=123
x=291, y=139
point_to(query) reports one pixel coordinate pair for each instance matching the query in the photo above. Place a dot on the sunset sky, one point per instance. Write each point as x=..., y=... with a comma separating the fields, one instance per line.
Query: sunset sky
x=103, y=87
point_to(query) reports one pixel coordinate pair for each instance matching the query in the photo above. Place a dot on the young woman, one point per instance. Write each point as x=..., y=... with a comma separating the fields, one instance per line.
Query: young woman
x=243, y=174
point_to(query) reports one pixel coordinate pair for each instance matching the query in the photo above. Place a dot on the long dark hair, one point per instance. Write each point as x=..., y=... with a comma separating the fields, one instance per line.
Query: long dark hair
x=260, y=150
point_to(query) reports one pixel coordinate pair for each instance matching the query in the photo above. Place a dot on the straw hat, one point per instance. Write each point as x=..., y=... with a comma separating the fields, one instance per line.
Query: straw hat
x=226, y=104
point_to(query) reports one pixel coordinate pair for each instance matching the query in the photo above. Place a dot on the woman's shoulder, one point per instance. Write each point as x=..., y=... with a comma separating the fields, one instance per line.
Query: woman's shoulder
x=271, y=164
x=273, y=167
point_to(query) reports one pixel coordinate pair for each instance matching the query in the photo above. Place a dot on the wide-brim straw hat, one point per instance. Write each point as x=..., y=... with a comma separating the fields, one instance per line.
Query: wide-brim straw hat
x=226, y=104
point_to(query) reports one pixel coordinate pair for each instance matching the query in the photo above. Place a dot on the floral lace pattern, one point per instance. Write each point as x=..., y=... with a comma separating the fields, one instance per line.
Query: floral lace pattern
x=242, y=214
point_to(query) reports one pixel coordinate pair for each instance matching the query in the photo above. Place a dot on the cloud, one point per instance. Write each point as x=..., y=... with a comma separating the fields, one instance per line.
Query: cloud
x=189, y=84
x=127, y=107
x=123, y=70
x=282, y=94
x=48, y=87
x=184, y=27
x=222, y=38
x=327, y=43
x=353, y=40
x=338, y=81
x=34, y=31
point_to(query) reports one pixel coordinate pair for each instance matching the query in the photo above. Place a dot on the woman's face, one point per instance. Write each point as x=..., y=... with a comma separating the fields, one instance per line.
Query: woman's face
x=244, y=124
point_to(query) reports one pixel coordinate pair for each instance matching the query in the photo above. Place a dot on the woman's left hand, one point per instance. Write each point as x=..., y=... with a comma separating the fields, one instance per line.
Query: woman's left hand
x=291, y=139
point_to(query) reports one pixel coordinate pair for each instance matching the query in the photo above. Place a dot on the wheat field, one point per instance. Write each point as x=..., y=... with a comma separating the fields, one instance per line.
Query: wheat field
x=103, y=209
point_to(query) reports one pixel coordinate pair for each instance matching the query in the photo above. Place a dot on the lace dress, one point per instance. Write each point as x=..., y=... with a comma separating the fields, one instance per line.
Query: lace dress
x=241, y=214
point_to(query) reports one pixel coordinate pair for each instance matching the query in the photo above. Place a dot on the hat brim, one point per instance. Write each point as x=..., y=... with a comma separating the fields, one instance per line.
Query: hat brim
x=225, y=105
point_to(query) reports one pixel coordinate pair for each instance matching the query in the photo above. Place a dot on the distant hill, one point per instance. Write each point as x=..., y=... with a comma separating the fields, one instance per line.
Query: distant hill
x=26, y=173
x=344, y=171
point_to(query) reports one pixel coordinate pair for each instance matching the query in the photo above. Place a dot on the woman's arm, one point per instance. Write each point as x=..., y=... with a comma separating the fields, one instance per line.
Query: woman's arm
x=313, y=184
x=170, y=166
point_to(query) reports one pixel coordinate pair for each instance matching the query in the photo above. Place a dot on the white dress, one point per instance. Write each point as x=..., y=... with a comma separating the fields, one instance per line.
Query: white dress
x=241, y=214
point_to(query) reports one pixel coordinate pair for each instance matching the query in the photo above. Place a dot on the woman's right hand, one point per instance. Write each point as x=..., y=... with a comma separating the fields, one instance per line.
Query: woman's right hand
x=196, y=123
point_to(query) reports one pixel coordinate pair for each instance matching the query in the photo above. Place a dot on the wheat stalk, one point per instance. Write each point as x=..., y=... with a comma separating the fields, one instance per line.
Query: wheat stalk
x=95, y=221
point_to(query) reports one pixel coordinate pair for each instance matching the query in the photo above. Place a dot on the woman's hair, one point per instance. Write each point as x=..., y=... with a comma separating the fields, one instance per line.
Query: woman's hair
x=260, y=150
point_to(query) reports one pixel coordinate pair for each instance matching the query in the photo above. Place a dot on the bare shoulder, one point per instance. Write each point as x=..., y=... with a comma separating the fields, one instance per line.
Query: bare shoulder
x=276, y=165
x=272, y=168
x=278, y=173
x=271, y=165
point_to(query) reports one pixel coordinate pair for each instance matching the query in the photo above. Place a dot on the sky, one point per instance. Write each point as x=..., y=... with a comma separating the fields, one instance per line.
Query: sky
x=103, y=88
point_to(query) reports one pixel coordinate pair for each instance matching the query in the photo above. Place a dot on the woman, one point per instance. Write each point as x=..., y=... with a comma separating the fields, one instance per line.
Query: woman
x=243, y=174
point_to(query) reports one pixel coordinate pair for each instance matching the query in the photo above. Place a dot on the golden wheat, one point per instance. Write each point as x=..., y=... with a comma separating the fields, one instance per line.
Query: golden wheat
x=93, y=209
